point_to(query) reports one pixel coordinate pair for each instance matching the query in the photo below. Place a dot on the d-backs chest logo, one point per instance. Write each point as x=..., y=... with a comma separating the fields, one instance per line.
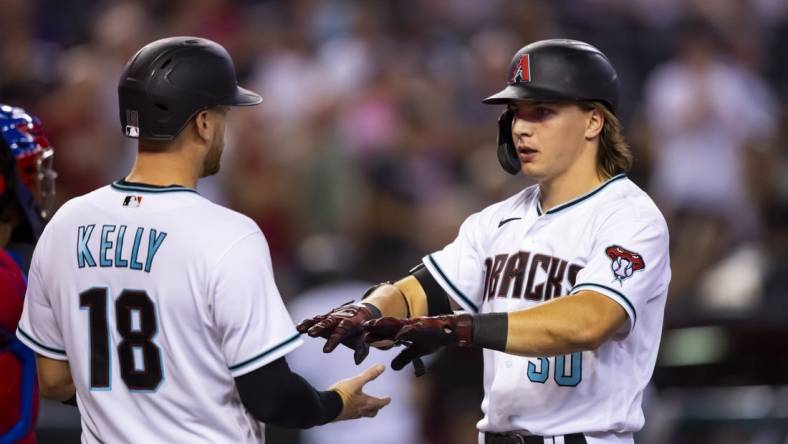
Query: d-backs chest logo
x=624, y=263
x=521, y=71
x=527, y=275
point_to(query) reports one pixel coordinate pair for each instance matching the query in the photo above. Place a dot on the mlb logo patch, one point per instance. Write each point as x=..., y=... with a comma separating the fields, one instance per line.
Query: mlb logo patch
x=132, y=131
x=132, y=123
x=132, y=201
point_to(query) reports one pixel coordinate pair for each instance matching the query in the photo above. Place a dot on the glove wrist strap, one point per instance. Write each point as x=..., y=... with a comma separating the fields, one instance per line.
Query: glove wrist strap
x=375, y=311
x=490, y=330
x=464, y=330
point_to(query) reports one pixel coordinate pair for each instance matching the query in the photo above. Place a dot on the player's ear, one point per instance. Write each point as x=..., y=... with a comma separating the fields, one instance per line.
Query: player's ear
x=595, y=121
x=203, y=125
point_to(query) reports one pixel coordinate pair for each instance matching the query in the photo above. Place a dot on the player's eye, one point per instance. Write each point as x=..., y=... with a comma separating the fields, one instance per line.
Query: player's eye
x=533, y=113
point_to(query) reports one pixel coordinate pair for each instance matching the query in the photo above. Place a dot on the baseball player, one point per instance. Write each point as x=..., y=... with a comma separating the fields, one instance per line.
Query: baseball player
x=26, y=178
x=157, y=308
x=563, y=284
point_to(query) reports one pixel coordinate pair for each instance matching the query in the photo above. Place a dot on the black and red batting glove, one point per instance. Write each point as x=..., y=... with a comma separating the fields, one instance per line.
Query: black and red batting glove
x=421, y=336
x=342, y=325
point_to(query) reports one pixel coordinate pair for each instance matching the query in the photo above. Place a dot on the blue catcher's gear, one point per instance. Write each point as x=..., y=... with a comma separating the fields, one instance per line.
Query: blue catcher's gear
x=25, y=169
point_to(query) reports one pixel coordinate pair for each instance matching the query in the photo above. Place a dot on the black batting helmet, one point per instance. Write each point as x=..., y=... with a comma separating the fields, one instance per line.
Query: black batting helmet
x=553, y=70
x=170, y=80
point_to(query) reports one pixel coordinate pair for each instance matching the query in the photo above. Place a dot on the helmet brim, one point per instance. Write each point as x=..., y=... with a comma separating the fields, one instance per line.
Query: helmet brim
x=514, y=93
x=245, y=97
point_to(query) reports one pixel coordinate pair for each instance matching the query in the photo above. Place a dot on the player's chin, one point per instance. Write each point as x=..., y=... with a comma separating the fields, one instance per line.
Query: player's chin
x=531, y=170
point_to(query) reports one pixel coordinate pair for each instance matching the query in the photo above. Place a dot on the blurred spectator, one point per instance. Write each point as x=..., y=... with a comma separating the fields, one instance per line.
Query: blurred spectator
x=707, y=115
x=27, y=62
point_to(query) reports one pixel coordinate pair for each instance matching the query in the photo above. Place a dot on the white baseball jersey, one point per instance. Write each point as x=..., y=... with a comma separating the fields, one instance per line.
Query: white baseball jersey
x=513, y=256
x=157, y=298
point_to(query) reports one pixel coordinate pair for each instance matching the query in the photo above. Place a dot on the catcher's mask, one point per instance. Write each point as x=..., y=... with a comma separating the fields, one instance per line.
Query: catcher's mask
x=27, y=176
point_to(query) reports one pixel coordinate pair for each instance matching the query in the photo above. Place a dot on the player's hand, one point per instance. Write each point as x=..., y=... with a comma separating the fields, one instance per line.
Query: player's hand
x=380, y=332
x=341, y=325
x=356, y=403
x=421, y=336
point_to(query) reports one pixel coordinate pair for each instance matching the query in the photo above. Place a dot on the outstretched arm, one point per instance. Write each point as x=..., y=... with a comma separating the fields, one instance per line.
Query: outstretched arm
x=414, y=295
x=578, y=322
x=582, y=321
x=275, y=395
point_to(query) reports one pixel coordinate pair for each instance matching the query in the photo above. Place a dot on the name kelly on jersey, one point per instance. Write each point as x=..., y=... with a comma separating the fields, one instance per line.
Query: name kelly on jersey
x=111, y=245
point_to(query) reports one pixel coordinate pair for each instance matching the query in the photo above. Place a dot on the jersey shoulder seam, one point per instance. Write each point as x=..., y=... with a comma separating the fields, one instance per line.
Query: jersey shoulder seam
x=209, y=276
x=232, y=245
x=636, y=207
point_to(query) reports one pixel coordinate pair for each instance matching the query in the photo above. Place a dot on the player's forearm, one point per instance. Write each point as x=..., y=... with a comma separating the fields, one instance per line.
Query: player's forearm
x=389, y=300
x=404, y=298
x=566, y=325
x=275, y=395
x=54, y=379
x=57, y=392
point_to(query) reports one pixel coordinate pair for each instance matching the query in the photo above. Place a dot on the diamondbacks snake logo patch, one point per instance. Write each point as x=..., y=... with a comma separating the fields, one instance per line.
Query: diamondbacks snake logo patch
x=521, y=71
x=624, y=263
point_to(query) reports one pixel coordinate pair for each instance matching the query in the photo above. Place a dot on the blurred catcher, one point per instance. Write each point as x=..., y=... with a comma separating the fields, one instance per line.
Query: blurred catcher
x=26, y=196
x=563, y=284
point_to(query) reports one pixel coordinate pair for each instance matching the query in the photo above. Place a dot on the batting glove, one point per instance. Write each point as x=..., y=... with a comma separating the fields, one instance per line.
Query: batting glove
x=342, y=325
x=421, y=336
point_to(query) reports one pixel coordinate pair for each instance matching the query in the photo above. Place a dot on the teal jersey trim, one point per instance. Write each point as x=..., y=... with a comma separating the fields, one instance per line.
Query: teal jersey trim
x=38, y=344
x=612, y=290
x=577, y=200
x=141, y=188
x=456, y=290
x=266, y=353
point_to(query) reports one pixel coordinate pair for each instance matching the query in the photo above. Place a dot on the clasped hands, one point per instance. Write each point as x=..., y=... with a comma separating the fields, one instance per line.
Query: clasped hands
x=357, y=327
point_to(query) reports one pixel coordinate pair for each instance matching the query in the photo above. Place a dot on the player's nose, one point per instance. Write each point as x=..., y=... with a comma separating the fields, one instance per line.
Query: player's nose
x=521, y=129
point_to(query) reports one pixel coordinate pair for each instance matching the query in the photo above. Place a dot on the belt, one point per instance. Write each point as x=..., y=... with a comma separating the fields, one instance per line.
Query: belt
x=516, y=438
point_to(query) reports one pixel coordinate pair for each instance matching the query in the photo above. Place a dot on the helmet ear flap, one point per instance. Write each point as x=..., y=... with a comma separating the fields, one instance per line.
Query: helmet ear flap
x=507, y=152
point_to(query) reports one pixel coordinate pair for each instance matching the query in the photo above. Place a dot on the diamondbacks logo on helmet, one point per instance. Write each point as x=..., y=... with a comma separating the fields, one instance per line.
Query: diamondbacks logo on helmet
x=624, y=263
x=521, y=71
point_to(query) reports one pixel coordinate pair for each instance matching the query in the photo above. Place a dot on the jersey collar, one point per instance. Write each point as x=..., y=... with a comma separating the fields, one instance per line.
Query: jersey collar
x=578, y=199
x=124, y=185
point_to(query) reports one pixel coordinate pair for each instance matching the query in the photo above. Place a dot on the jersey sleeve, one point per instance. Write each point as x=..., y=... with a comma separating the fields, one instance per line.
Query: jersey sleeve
x=38, y=327
x=629, y=263
x=254, y=326
x=459, y=267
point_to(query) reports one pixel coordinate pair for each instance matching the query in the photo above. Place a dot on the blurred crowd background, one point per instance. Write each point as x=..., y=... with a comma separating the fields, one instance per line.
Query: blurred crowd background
x=372, y=146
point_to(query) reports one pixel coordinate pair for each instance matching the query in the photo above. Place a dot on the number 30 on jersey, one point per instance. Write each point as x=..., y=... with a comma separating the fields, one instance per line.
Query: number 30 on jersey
x=563, y=376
